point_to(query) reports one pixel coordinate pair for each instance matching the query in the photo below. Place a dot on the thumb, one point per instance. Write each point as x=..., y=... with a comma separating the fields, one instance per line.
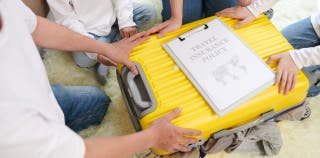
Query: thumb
x=173, y=114
x=274, y=58
x=132, y=67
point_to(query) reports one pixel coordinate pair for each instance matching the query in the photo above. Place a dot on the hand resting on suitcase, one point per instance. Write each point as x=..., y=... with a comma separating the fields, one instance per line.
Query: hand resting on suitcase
x=287, y=72
x=170, y=138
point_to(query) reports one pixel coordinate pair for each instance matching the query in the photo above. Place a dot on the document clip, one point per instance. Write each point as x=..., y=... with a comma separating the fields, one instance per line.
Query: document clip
x=193, y=31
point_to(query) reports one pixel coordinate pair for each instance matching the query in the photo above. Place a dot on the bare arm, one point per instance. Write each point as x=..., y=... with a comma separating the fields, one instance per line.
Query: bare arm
x=244, y=3
x=176, y=9
x=119, y=147
x=50, y=35
x=161, y=135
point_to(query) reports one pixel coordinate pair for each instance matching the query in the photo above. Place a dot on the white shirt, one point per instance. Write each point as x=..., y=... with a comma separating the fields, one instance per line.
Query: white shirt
x=308, y=56
x=302, y=57
x=94, y=16
x=32, y=123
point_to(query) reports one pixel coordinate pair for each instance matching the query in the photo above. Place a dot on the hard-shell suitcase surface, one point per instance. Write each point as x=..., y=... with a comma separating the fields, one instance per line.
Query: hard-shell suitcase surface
x=161, y=86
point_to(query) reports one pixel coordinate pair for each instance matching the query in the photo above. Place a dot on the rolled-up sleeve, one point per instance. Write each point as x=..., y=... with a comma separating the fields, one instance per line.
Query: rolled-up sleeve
x=124, y=10
x=306, y=56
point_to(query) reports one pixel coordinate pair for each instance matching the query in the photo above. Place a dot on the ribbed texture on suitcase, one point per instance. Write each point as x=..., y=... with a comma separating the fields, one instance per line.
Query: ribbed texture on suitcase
x=172, y=89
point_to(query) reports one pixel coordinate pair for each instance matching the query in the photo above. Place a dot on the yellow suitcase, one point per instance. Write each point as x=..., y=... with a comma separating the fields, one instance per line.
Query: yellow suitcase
x=162, y=87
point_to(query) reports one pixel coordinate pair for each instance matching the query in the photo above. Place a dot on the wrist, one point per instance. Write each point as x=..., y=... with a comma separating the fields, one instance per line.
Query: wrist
x=176, y=20
x=244, y=3
x=249, y=12
x=254, y=12
x=152, y=135
x=104, y=49
x=295, y=59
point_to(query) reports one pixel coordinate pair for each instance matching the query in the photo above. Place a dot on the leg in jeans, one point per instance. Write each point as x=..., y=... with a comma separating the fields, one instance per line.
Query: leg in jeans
x=192, y=10
x=302, y=35
x=82, y=106
x=114, y=35
x=103, y=70
x=82, y=60
x=144, y=16
x=210, y=7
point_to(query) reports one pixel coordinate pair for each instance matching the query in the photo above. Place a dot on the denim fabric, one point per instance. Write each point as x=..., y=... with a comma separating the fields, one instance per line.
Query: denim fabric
x=82, y=60
x=82, y=106
x=143, y=15
x=197, y=9
x=302, y=35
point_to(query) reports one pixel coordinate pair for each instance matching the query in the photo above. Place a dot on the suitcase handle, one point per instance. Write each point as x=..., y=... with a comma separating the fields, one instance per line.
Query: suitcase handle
x=135, y=93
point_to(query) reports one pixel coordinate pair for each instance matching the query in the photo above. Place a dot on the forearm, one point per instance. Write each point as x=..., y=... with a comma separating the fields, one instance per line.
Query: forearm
x=259, y=6
x=306, y=57
x=244, y=3
x=176, y=9
x=119, y=147
x=53, y=36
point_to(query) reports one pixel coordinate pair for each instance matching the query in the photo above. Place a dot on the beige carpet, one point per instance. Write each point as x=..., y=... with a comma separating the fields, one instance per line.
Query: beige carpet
x=300, y=139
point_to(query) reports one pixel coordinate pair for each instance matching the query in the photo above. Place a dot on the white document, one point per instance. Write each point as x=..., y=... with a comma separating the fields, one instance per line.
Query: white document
x=220, y=65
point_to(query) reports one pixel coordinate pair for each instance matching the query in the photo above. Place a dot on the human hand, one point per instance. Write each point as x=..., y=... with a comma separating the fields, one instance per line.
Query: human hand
x=119, y=54
x=169, y=137
x=168, y=26
x=244, y=3
x=128, y=31
x=238, y=12
x=287, y=72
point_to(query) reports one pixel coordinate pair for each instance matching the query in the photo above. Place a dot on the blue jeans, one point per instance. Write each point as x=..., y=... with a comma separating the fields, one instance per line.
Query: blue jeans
x=197, y=9
x=302, y=35
x=143, y=15
x=82, y=60
x=82, y=106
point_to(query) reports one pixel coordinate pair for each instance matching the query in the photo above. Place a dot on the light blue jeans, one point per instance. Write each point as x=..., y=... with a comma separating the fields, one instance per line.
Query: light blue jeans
x=143, y=15
x=197, y=9
x=82, y=106
x=302, y=35
x=82, y=60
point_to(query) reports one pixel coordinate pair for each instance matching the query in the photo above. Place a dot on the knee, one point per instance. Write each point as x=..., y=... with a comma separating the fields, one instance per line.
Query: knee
x=82, y=60
x=102, y=102
x=100, y=96
x=60, y=93
x=97, y=104
x=145, y=16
